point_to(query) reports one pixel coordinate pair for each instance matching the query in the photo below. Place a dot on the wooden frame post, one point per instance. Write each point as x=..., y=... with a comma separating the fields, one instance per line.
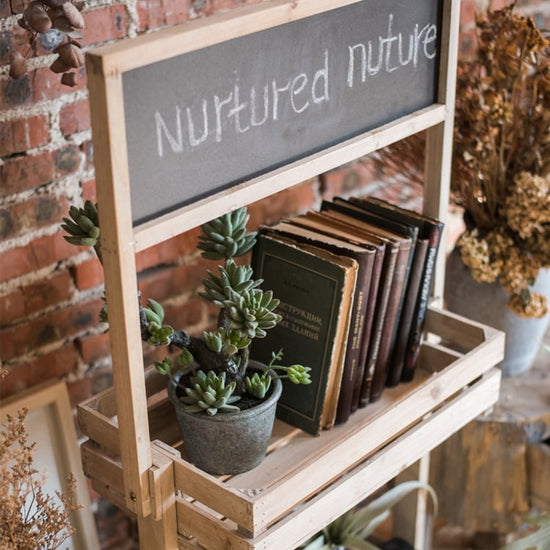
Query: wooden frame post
x=121, y=290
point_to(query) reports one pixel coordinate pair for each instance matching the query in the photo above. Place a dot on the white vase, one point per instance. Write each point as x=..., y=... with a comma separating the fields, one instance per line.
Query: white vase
x=486, y=303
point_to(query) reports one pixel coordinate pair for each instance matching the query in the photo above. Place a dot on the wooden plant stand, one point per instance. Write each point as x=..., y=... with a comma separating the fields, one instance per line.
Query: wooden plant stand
x=305, y=482
x=134, y=456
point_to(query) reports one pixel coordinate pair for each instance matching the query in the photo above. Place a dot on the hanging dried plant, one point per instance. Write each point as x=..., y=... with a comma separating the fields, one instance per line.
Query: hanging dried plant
x=40, y=17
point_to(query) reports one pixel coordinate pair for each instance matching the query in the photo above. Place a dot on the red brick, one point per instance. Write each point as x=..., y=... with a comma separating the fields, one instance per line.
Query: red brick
x=19, y=40
x=75, y=117
x=94, y=347
x=169, y=282
x=88, y=274
x=467, y=11
x=39, y=211
x=106, y=23
x=48, y=329
x=158, y=13
x=408, y=195
x=37, y=85
x=88, y=150
x=79, y=391
x=35, y=371
x=230, y=4
x=33, y=298
x=348, y=179
x=296, y=199
x=21, y=134
x=26, y=172
x=23, y=172
x=46, y=84
x=168, y=250
x=37, y=254
x=89, y=192
x=187, y=315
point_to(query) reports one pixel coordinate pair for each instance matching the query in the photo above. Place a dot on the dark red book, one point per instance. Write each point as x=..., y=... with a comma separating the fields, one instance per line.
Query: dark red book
x=429, y=231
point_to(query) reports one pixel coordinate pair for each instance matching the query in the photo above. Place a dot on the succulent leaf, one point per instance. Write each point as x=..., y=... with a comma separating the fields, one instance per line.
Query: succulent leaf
x=209, y=393
x=226, y=237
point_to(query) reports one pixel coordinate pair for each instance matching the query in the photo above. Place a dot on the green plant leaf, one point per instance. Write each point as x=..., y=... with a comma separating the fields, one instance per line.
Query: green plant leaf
x=539, y=540
x=317, y=543
x=365, y=518
x=355, y=543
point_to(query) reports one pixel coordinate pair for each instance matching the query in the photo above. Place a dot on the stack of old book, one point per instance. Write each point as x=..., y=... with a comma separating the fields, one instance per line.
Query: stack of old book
x=354, y=282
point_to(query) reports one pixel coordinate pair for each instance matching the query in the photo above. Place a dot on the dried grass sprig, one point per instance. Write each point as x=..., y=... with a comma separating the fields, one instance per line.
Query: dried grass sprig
x=29, y=517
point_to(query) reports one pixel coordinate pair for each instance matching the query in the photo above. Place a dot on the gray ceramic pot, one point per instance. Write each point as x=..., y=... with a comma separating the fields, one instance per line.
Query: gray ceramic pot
x=486, y=303
x=227, y=443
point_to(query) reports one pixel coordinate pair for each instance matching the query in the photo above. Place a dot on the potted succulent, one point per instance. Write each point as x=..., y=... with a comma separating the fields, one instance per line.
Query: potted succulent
x=225, y=403
x=501, y=179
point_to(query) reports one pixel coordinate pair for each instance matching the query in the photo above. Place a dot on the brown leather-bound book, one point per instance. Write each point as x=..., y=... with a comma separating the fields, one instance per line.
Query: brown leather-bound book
x=388, y=248
x=364, y=255
x=430, y=230
x=405, y=236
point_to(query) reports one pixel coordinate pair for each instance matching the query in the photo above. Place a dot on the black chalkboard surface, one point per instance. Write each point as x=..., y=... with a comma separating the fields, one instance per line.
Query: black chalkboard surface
x=201, y=122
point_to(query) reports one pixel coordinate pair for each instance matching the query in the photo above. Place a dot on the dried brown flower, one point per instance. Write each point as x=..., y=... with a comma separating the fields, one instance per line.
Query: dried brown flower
x=29, y=518
x=41, y=16
x=501, y=158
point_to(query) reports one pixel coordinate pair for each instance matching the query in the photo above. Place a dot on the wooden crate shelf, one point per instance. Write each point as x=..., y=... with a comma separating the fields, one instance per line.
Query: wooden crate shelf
x=305, y=478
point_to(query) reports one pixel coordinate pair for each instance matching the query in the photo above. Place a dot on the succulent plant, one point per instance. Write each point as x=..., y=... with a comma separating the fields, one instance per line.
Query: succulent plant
x=83, y=227
x=251, y=312
x=258, y=384
x=246, y=312
x=226, y=236
x=209, y=393
x=232, y=277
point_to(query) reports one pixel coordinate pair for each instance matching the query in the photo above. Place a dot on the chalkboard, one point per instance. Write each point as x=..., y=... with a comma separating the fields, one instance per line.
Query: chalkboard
x=204, y=121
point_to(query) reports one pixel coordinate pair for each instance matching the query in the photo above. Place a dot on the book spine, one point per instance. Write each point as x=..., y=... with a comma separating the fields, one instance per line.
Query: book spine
x=390, y=321
x=367, y=327
x=397, y=360
x=376, y=336
x=415, y=337
x=351, y=363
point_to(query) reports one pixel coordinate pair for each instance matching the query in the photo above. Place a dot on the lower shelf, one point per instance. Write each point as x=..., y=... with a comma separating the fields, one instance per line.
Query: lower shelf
x=306, y=482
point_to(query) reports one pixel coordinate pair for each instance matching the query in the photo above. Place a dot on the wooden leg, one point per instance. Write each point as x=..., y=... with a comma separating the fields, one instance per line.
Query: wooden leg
x=158, y=535
x=412, y=520
x=159, y=530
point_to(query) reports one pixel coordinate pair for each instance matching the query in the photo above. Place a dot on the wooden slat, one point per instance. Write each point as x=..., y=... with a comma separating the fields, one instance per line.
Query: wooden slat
x=434, y=357
x=201, y=33
x=159, y=530
x=457, y=329
x=99, y=466
x=169, y=225
x=225, y=500
x=210, y=532
x=275, y=501
x=100, y=429
x=439, y=139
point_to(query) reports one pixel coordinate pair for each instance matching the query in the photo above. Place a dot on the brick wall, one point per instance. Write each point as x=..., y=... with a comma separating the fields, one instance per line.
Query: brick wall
x=50, y=292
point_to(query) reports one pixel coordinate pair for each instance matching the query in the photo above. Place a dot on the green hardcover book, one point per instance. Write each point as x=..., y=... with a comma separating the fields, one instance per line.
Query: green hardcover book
x=316, y=291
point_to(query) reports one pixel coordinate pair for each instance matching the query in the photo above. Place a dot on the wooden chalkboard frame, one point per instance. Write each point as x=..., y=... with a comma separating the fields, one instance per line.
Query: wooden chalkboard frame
x=110, y=62
x=120, y=240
